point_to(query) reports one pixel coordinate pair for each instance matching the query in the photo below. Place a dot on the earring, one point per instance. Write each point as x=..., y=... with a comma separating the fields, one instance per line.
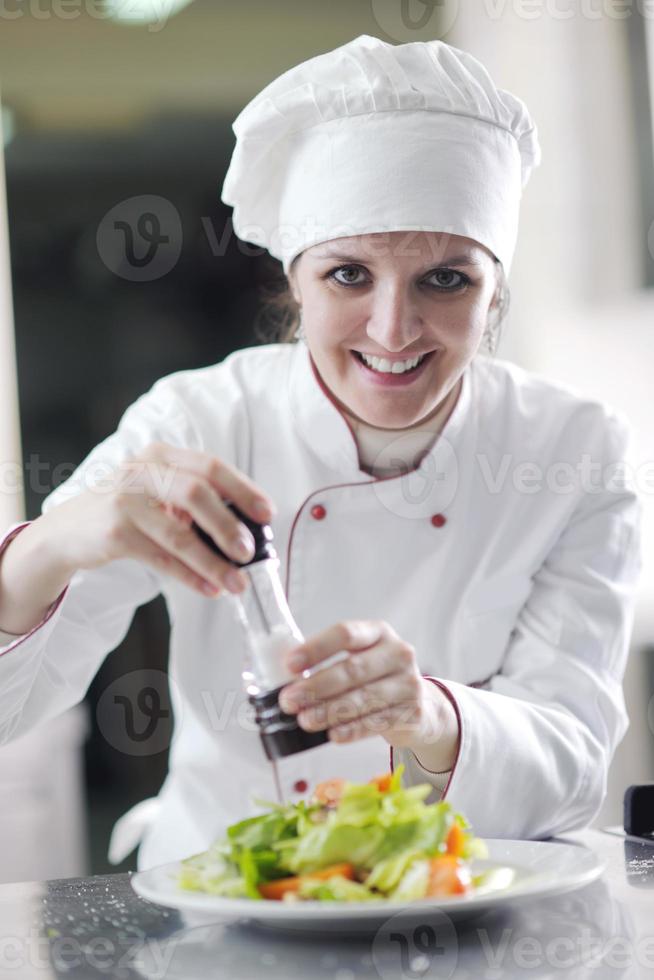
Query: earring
x=493, y=331
x=490, y=340
x=299, y=333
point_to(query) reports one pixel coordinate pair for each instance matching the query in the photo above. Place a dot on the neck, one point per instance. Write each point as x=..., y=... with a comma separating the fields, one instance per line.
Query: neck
x=385, y=452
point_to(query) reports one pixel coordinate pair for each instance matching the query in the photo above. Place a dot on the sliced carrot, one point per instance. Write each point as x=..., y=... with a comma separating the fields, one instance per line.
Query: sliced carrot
x=329, y=793
x=276, y=890
x=447, y=876
x=383, y=783
x=456, y=840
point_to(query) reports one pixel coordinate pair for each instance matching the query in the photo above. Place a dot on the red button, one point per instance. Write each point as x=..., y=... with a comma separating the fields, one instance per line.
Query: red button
x=438, y=520
x=301, y=786
x=318, y=511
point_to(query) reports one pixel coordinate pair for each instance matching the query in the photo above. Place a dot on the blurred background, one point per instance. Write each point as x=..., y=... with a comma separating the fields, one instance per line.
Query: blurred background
x=118, y=105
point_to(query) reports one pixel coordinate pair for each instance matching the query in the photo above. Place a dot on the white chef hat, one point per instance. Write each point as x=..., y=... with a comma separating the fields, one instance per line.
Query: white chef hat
x=376, y=137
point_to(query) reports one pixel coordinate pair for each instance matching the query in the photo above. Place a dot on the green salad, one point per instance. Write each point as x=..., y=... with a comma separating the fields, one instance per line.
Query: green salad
x=350, y=842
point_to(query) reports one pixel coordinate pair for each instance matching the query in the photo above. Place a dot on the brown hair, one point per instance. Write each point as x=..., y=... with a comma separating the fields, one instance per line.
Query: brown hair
x=279, y=315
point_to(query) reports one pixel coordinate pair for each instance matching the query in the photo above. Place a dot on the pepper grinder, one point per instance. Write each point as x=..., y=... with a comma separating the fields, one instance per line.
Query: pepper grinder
x=270, y=631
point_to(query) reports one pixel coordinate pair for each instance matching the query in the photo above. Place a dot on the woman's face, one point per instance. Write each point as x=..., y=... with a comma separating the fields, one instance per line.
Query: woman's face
x=395, y=296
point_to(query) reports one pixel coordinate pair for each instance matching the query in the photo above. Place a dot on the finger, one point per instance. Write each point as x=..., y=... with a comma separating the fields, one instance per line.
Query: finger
x=230, y=482
x=351, y=635
x=177, y=513
x=399, y=718
x=353, y=672
x=142, y=547
x=187, y=496
x=197, y=497
x=181, y=542
x=375, y=697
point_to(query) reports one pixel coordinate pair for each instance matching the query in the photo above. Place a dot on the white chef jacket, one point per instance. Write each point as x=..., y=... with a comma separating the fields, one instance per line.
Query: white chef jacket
x=503, y=558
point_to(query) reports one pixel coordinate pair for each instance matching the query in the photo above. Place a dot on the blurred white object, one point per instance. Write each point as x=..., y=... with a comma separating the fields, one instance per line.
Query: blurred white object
x=42, y=816
x=42, y=821
x=649, y=41
x=130, y=828
x=12, y=506
x=7, y=124
x=606, y=351
x=144, y=11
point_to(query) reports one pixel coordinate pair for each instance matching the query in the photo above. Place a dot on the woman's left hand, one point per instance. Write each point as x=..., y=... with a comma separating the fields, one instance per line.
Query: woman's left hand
x=376, y=690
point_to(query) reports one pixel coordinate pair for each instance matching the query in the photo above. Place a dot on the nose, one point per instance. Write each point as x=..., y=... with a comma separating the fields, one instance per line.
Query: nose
x=394, y=323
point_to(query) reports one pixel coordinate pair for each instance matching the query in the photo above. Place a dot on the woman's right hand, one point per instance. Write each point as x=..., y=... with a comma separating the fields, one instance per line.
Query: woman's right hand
x=146, y=513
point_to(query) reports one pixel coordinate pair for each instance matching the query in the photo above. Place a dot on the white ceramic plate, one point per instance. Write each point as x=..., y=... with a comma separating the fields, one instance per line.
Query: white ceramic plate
x=540, y=868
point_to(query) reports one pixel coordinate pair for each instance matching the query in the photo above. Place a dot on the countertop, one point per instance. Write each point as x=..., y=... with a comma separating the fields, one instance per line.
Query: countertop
x=98, y=927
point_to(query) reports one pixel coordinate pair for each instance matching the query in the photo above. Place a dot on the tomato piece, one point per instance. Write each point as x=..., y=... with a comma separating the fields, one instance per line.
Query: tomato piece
x=383, y=783
x=448, y=876
x=275, y=890
x=455, y=842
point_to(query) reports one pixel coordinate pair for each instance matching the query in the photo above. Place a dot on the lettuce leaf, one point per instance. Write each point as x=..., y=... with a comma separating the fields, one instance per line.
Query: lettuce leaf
x=333, y=843
x=337, y=889
x=413, y=883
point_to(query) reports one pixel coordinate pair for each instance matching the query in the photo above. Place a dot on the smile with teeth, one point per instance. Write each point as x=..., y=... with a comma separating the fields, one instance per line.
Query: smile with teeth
x=384, y=366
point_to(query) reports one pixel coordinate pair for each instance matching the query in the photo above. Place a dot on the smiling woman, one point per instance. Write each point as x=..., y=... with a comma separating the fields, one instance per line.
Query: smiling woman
x=481, y=620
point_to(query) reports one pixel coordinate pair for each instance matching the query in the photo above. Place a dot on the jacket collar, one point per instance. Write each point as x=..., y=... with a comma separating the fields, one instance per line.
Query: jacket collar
x=327, y=433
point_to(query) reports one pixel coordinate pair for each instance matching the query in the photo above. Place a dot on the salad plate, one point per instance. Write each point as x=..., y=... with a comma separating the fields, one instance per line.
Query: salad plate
x=539, y=869
x=356, y=855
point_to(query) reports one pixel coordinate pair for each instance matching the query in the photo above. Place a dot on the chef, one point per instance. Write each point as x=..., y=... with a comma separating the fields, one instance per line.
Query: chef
x=461, y=529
